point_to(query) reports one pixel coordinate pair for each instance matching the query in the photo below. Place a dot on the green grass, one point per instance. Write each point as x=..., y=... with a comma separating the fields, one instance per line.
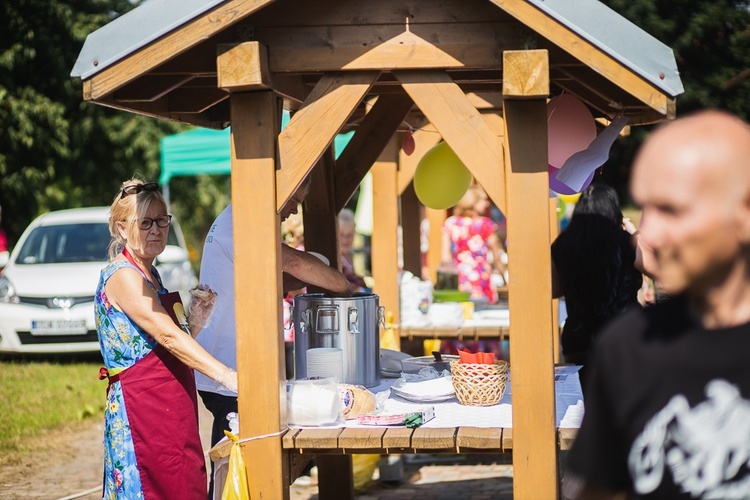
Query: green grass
x=38, y=396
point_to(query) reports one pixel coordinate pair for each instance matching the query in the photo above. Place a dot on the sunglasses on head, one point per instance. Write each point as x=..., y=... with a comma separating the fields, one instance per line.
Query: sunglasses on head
x=137, y=188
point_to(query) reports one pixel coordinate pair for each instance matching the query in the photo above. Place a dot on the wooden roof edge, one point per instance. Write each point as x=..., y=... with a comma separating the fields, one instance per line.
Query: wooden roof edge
x=596, y=55
x=610, y=32
x=140, y=40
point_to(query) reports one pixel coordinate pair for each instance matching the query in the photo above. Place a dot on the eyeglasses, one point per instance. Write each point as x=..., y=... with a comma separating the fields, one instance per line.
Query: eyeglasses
x=137, y=188
x=162, y=221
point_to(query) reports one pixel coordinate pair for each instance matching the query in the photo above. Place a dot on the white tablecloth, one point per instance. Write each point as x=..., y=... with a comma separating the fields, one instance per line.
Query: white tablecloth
x=450, y=413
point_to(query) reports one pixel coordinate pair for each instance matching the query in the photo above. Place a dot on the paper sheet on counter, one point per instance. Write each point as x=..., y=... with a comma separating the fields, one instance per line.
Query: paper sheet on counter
x=568, y=408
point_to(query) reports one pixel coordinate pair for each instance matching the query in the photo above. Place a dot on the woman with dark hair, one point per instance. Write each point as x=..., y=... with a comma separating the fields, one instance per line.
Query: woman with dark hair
x=593, y=267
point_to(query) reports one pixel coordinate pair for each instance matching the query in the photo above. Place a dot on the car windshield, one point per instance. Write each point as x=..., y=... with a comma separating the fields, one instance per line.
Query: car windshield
x=66, y=243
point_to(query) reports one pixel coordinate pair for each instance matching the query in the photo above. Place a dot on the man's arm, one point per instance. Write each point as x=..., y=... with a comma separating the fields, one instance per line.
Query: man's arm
x=309, y=270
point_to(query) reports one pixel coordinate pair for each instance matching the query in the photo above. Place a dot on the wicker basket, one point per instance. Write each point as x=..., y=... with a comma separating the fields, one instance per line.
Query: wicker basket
x=479, y=384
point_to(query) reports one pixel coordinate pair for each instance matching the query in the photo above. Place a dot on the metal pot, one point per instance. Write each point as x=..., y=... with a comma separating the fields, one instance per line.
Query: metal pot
x=349, y=323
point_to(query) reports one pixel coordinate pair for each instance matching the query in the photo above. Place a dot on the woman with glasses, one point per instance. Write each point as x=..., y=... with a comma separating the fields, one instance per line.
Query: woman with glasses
x=152, y=445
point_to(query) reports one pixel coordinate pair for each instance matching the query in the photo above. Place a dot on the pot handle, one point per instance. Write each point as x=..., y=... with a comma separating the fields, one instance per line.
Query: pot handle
x=353, y=316
x=304, y=322
x=333, y=311
x=381, y=316
x=291, y=318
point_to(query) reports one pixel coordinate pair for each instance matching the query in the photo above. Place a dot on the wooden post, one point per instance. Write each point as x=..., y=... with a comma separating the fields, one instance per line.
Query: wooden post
x=410, y=231
x=434, y=256
x=319, y=216
x=525, y=88
x=257, y=248
x=385, y=229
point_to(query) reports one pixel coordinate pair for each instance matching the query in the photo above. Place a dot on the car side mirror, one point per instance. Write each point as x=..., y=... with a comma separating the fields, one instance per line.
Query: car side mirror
x=4, y=258
x=172, y=254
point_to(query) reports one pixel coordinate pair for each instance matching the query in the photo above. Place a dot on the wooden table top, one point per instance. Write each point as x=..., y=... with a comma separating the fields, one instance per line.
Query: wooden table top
x=468, y=330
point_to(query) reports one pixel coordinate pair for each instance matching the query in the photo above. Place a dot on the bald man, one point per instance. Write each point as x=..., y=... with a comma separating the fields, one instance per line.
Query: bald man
x=668, y=408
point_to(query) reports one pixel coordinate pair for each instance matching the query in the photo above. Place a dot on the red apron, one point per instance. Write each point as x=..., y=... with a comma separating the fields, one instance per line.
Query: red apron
x=160, y=399
x=161, y=403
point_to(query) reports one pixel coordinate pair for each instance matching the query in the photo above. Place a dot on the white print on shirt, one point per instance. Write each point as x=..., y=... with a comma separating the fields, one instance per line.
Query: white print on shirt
x=704, y=447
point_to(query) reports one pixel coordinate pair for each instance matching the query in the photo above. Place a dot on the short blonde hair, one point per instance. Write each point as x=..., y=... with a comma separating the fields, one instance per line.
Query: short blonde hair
x=127, y=210
x=465, y=206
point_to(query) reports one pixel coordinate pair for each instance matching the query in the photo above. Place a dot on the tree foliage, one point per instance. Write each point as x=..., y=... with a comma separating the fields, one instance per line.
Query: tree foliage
x=711, y=42
x=57, y=151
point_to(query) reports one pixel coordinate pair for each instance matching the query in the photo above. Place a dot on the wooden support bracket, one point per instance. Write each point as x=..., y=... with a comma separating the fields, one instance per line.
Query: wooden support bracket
x=313, y=128
x=461, y=125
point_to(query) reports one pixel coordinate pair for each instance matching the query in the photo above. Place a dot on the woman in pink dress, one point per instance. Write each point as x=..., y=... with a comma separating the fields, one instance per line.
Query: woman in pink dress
x=472, y=247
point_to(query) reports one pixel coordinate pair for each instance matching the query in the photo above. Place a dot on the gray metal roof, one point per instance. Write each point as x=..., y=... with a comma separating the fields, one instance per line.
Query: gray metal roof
x=619, y=38
x=590, y=19
x=135, y=29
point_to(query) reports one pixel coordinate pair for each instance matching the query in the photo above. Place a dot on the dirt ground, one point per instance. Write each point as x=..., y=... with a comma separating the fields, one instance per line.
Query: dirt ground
x=62, y=463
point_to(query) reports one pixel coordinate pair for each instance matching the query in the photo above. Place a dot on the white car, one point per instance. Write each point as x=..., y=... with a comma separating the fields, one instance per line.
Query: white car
x=47, y=287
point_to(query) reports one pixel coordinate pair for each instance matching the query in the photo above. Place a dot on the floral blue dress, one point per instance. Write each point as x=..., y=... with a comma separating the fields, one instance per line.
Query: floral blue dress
x=122, y=344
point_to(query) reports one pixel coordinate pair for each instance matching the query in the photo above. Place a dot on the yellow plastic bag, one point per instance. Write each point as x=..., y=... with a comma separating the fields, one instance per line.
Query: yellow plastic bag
x=363, y=467
x=389, y=336
x=236, y=486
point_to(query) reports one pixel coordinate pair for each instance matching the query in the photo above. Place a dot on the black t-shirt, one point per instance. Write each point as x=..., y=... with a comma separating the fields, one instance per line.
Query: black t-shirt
x=668, y=409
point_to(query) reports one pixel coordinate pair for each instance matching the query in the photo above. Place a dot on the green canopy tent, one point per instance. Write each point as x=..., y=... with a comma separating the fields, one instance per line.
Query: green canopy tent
x=206, y=151
x=197, y=151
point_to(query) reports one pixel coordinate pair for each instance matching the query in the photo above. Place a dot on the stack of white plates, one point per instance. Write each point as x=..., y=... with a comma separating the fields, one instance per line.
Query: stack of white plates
x=325, y=362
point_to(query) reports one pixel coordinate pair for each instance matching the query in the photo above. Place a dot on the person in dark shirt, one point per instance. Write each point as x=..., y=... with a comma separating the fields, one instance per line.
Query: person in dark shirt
x=668, y=404
x=593, y=266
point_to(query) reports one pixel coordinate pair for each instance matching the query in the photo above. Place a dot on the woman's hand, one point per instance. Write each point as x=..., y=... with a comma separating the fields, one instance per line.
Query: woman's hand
x=202, y=302
x=628, y=226
x=228, y=378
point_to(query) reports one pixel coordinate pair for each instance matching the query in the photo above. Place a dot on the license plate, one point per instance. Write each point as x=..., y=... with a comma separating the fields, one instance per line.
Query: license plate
x=58, y=327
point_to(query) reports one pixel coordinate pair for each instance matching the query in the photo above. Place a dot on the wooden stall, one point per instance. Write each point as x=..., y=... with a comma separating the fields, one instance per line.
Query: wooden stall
x=475, y=73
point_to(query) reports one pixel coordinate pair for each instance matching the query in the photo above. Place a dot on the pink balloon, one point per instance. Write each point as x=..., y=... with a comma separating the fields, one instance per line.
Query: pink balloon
x=570, y=128
x=561, y=188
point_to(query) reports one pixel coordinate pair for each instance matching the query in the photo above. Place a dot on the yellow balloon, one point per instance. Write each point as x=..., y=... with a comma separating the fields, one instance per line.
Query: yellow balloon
x=569, y=198
x=441, y=179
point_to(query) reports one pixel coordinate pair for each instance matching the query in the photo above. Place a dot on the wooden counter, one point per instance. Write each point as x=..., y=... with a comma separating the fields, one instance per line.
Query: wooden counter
x=390, y=440
x=469, y=330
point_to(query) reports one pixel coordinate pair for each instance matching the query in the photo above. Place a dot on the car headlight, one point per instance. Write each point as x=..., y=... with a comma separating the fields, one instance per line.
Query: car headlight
x=7, y=292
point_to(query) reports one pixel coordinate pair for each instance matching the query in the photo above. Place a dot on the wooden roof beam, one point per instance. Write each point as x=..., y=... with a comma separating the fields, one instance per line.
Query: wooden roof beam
x=462, y=126
x=190, y=101
x=313, y=128
x=151, y=88
x=244, y=67
x=388, y=47
x=368, y=142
